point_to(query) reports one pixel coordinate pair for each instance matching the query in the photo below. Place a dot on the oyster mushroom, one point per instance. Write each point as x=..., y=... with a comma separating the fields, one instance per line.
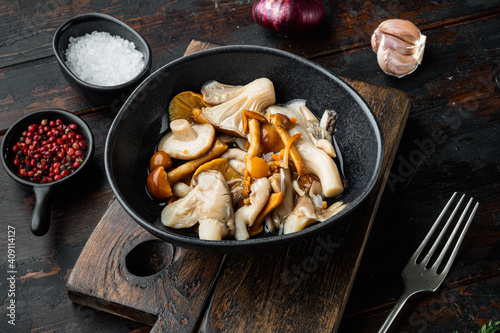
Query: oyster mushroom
x=233, y=179
x=238, y=166
x=274, y=200
x=333, y=209
x=307, y=212
x=302, y=216
x=321, y=134
x=246, y=215
x=227, y=116
x=234, y=154
x=216, y=93
x=286, y=186
x=316, y=160
x=216, y=217
x=181, y=189
x=319, y=131
x=186, y=141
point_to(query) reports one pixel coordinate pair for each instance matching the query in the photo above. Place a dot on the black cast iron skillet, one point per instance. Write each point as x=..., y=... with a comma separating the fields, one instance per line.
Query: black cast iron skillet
x=40, y=222
x=143, y=119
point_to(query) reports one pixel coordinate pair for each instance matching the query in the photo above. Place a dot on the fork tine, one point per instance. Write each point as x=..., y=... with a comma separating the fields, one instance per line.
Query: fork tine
x=431, y=232
x=428, y=256
x=460, y=239
x=452, y=236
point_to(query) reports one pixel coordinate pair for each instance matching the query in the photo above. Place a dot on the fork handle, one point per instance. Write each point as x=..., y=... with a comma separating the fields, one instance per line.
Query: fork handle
x=388, y=321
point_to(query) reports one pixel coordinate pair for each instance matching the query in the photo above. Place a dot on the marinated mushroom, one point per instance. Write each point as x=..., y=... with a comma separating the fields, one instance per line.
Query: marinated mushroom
x=233, y=179
x=274, y=200
x=186, y=141
x=182, y=105
x=247, y=214
x=234, y=154
x=188, y=168
x=308, y=211
x=158, y=185
x=181, y=189
x=215, y=93
x=238, y=166
x=330, y=211
x=160, y=158
x=316, y=160
x=215, y=217
x=227, y=116
x=283, y=125
x=302, y=216
x=320, y=132
x=256, y=167
x=286, y=187
x=329, y=121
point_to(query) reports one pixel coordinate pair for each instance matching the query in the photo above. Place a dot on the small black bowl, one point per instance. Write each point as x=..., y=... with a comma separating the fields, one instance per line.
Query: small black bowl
x=87, y=23
x=40, y=221
x=143, y=120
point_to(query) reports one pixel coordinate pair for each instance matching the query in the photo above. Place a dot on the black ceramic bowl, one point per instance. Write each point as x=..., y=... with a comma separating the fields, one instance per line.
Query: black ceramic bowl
x=40, y=222
x=143, y=119
x=87, y=23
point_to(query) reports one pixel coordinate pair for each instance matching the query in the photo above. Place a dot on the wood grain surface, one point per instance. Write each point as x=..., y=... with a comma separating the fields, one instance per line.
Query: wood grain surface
x=451, y=142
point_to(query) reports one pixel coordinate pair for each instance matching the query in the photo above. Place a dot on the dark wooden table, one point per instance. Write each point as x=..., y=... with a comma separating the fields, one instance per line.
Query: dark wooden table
x=453, y=128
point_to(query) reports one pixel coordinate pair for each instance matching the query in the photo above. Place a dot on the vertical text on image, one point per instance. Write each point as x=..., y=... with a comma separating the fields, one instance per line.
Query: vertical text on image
x=11, y=275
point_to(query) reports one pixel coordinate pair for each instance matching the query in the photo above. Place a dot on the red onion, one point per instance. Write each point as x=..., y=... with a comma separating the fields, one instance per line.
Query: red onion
x=288, y=17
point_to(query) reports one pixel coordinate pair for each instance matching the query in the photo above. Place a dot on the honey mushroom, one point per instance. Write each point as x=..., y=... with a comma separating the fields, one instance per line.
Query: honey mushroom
x=255, y=166
x=282, y=124
x=160, y=182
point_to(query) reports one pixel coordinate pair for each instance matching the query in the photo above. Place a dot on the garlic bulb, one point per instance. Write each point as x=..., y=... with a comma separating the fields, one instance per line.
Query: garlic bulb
x=399, y=46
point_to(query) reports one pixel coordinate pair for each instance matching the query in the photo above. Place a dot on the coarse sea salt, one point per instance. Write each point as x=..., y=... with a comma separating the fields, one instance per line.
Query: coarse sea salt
x=102, y=59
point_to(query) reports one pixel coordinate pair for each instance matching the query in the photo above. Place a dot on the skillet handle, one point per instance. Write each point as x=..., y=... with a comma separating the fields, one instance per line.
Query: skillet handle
x=40, y=221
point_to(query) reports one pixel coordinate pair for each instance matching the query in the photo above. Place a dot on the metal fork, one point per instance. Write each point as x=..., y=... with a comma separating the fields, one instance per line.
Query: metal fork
x=421, y=275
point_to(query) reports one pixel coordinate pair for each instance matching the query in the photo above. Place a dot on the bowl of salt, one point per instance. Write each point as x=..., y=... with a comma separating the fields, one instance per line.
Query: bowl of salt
x=101, y=57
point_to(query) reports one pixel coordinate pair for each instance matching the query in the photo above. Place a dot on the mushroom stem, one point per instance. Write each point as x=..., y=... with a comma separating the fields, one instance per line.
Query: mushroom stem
x=254, y=138
x=181, y=189
x=182, y=130
x=282, y=123
x=328, y=121
x=288, y=146
x=199, y=117
x=245, y=216
x=253, y=151
x=274, y=200
x=190, y=167
x=211, y=229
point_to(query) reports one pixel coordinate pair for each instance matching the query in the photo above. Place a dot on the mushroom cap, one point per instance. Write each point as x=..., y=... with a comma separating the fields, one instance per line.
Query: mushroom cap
x=186, y=141
x=227, y=116
x=199, y=206
x=245, y=216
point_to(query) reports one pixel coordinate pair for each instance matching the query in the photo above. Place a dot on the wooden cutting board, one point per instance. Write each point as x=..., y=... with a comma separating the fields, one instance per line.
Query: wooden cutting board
x=126, y=271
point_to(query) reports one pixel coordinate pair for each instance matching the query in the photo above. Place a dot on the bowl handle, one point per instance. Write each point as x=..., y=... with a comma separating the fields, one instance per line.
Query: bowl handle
x=40, y=221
